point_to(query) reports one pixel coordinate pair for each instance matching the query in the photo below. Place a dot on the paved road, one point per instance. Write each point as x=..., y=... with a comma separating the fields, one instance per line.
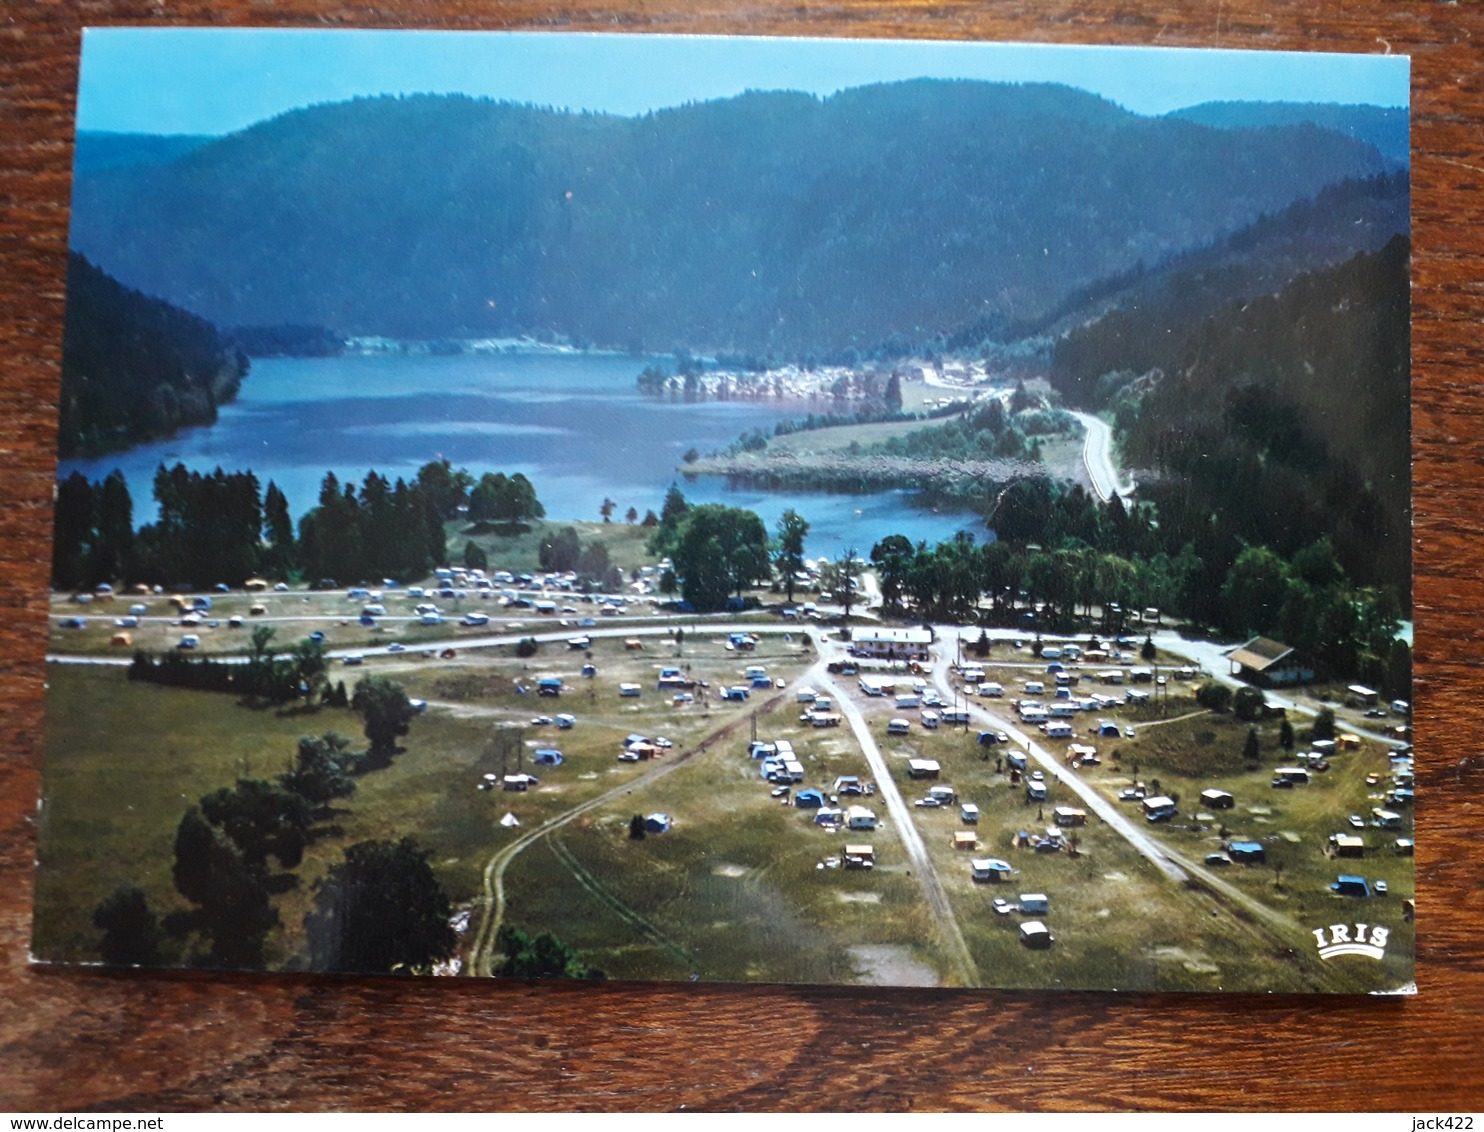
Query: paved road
x=1207, y=655
x=1212, y=657
x=1097, y=455
x=414, y=650
x=1094, y=801
x=954, y=946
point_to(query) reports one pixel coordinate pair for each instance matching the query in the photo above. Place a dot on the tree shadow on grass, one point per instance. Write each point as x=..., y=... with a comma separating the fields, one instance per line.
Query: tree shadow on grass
x=490, y=527
x=294, y=710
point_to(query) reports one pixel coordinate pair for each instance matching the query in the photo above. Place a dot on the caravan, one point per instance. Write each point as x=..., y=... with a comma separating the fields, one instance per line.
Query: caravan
x=1158, y=808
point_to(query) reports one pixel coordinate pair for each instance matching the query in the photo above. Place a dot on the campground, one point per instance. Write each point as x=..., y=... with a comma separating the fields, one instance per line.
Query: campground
x=744, y=884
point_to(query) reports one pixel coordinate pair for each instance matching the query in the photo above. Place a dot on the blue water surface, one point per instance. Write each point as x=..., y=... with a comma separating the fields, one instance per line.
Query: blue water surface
x=573, y=423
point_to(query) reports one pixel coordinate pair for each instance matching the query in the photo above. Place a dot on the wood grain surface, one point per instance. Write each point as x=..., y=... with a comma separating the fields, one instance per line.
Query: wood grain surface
x=75, y=1039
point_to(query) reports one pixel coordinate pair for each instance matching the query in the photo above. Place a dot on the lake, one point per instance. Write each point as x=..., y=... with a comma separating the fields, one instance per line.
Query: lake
x=574, y=424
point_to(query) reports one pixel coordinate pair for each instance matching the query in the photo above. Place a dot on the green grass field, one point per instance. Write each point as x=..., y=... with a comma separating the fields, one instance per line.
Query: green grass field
x=1183, y=756
x=737, y=886
x=114, y=795
x=1293, y=825
x=737, y=889
x=841, y=437
x=518, y=551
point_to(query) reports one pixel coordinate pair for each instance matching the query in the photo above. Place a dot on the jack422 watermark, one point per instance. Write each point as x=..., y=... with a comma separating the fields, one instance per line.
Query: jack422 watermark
x=1352, y=939
x=1442, y=1124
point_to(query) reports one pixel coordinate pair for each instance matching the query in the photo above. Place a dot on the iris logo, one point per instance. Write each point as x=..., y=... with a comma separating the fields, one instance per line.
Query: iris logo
x=1351, y=939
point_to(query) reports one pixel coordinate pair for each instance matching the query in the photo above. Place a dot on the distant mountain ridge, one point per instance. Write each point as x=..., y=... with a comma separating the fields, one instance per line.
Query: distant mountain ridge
x=96, y=150
x=768, y=222
x=1136, y=321
x=1385, y=127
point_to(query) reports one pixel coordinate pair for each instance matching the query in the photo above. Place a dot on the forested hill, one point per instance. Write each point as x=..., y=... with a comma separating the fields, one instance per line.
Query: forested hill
x=1288, y=414
x=96, y=150
x=1385, y=127
x=1140, y=321
x=134, y=367
x=768, y=222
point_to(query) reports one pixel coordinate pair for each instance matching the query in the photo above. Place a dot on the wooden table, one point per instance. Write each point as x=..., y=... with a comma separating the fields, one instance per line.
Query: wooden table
x=73, y=1039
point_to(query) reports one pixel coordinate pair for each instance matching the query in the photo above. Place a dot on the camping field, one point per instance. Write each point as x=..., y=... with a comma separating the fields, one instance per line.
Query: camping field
x=184, y=744
x=744, y=886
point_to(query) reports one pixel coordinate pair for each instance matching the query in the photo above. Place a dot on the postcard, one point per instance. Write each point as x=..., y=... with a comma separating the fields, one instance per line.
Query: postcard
x=733, y=510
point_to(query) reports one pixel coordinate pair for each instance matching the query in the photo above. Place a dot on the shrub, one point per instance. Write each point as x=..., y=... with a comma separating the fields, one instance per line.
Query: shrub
x=1248, y=704
x=1213, y=695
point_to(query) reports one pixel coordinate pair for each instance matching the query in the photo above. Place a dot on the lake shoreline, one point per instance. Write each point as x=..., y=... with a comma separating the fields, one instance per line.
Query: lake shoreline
x=574, y=424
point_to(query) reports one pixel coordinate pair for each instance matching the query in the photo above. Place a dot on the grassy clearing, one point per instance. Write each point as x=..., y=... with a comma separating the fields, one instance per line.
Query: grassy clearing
x=735, y=888
x=1062, y=457
x=1118, y=922
x=1293, y=825
x=840, y=437
x=519, y=551
x=115, y=795
x=1182, y=757
x=123, y=763
x=734, y=891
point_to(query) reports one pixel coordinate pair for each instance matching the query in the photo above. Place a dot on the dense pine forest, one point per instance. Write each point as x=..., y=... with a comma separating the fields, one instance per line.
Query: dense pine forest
x=225, y=527
x=135, y=368
x=1285, y=414
x=768, y=222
